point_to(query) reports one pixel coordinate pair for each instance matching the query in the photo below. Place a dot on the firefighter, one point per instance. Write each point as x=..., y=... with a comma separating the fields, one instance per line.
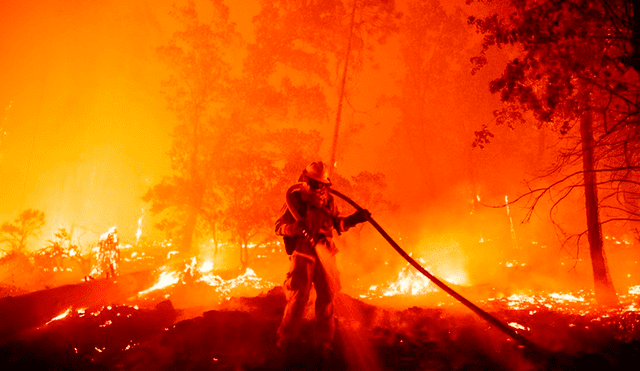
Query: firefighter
x=109, y=253
x=307, y=223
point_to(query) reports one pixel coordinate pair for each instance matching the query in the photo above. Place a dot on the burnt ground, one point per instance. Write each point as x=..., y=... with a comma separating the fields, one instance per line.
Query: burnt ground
x=240, y=335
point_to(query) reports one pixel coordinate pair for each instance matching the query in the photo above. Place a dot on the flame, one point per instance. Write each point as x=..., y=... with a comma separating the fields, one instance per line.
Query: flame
x=565, y=297
x=167, y=278
x=552, y=301
x=60, y=316
x=204, y=273
x=514, y=239
x=409, y=282
x=518, y=326
x=247, y=279
x=139, y=231
x=206, y=267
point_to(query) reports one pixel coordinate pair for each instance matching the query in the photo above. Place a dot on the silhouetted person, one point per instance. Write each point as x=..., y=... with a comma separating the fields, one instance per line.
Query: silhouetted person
x=307, y=223
x=109, y=253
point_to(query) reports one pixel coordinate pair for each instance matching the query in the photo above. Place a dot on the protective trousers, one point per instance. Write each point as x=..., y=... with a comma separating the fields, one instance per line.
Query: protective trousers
x=319, y=271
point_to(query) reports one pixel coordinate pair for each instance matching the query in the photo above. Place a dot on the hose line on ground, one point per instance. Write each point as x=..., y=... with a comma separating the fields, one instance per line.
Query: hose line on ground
x=483, y=314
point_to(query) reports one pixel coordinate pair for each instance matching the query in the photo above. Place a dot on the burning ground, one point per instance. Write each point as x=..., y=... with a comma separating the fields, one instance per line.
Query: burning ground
x=185, y=316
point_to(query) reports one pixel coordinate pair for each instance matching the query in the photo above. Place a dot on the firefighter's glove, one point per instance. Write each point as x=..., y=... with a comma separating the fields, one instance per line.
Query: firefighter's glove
x=360, y=216
x=294, y=228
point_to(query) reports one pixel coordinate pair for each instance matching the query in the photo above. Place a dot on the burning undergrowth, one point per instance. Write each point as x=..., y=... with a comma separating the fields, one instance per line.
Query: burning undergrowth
x=234, y=321
x=196, y=286
x=186, y=315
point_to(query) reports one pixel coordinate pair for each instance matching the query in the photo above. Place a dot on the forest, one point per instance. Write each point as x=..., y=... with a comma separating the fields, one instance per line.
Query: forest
x=496, y=141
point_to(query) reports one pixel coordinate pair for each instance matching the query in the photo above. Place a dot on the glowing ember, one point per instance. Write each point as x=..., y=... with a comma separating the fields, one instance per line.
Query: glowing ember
x=632, y=308
x=518, y=326
x=554, y=301
x=565, y=297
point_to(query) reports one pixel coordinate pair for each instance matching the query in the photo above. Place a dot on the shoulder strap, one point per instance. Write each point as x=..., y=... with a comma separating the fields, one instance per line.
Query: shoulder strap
x=294, y=201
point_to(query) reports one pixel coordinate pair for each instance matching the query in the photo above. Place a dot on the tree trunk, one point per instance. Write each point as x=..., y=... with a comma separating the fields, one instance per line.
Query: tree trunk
x=336, y=130
x=189, y=229
x=244, y=255
x=603, y=286
x=215, y=244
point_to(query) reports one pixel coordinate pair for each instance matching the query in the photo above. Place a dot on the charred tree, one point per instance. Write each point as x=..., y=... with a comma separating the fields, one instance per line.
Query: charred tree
x=301, y=36
x=603, y=286
x=571, y=74
x=343, y=83
x=15, y=235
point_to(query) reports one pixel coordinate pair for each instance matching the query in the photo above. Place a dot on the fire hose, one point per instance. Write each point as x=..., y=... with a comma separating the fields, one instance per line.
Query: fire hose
x=480, y=312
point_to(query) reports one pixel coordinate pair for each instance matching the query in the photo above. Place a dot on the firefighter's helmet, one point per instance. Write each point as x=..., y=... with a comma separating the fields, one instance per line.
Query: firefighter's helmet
x=318, y=171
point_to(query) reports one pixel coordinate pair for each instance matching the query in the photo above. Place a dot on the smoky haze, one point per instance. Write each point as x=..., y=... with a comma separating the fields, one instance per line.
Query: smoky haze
x=86, y=133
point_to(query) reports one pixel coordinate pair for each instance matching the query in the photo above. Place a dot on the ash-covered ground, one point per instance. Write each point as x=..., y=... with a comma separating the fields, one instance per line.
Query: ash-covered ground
x=240, y=334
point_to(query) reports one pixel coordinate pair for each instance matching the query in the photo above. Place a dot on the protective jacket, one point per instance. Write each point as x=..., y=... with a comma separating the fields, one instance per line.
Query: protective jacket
x=307, y=222
x=318, y=222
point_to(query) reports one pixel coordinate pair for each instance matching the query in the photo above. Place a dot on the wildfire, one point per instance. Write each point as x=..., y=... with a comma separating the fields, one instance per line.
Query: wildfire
x=518, y=326
x=139, y=231
x=204, y=273
x=167, y=278
x=247, y=279
x=60, y=316
x=409, y=282
x=576, y=303
x=580, y=303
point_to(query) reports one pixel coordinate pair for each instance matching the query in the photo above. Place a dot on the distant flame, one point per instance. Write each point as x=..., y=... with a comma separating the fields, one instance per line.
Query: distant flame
x=139, y=232
x=563, y=302
x=247, y=279
x=60, y=316
x=204, y=273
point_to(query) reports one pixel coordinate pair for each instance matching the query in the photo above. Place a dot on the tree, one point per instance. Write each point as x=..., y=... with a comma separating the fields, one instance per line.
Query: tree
x=368, y=188
x=197, y=93
x=301, y=38
x=433, y=46
x=226, y=154
x=14, y=236
x=576, y=73
x=250, y=194
x=368, y=18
